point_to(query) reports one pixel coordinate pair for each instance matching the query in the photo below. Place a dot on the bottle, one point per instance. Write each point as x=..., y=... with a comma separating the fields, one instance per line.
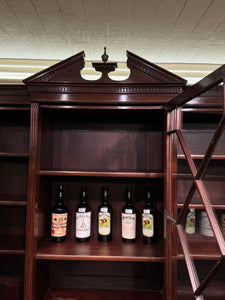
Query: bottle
x=190, y=222
x=129, y=218
x=83, y=218
x=205, y=227
x=149, y=221
x=105, y=217
x=59, y=217
x=222, y=219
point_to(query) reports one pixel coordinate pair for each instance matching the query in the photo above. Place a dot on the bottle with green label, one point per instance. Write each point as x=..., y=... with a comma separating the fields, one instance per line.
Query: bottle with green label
x=105, y=217
x=83, y=218
x=129, y=218
x=149, y=220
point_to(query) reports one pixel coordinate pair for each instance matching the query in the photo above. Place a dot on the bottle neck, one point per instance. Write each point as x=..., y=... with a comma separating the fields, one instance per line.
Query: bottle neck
x=148, y=199
x=105, y=201
x=60, y=201
x=83, y=200
x=105, y=197
x=129, y=198
x=83, y=197
x=60, y=196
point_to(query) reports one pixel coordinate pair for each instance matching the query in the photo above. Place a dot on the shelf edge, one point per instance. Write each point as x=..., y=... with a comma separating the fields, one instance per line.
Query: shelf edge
x=101, y=174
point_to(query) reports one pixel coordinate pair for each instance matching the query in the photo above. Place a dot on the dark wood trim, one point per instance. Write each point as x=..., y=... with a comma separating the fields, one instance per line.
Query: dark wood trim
x=197, y=89
x=14, y=95
x=189, y=261
x=30, y=262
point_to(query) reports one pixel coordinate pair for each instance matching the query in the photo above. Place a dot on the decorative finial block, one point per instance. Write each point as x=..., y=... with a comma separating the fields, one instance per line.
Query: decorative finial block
x=105, y=57
x=105, y=67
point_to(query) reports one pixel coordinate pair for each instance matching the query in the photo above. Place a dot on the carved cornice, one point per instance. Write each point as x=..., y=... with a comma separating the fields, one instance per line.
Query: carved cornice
x=215, y=92
x=14, y=95
x=13, y=90
x=105, y=89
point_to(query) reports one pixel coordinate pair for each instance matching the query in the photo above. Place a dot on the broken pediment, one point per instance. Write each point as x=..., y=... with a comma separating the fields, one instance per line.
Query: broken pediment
x=142, y=71
x=66, y=71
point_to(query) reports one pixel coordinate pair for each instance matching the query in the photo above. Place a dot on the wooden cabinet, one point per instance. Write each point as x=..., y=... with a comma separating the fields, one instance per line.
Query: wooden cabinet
x=14, y=160
x=74, y=132
x=99, y=147
x=97, y=133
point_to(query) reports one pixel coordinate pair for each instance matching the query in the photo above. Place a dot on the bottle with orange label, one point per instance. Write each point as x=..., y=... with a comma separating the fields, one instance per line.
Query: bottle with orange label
x=59, y=217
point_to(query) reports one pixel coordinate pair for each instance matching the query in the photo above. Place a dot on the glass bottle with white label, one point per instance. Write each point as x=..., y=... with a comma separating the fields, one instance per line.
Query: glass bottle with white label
x=83, y=218
x=59, y=217
x=149, y=221
x=129, y=218
x=105, y=217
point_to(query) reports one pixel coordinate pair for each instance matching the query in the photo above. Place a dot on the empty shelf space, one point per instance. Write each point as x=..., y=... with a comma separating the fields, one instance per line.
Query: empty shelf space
x=12, y=245
x=215, y=291
x=201, y=247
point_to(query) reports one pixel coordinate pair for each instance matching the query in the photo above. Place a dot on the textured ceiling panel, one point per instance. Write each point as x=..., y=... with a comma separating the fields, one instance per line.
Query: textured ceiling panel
x=161, y=31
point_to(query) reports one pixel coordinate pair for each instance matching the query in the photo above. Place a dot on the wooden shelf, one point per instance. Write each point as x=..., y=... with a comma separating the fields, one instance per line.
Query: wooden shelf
x=15, y=108
x=69, y=294
x=201, y=156
x=12, y=245
x=14, y=154
x=12, y=203
x=95, y=250
x=13, y=200
x=101, y=174
x=206, y=177
x=201, y=247
x=201, y=206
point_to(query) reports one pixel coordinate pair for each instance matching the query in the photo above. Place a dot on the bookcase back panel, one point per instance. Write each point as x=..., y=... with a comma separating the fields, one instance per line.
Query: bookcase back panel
x=107, y=275
x=92, y=142
x=13, y=177
x=14, y=131
x=13, y=221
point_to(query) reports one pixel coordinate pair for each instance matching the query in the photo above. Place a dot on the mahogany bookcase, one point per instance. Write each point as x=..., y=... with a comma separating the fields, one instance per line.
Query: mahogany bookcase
x=150, y=130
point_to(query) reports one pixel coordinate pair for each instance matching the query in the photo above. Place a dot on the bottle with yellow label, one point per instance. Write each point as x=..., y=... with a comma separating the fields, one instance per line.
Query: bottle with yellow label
x=190, y=222
x=149, y=220
x=59, y=218
x=105, y=217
